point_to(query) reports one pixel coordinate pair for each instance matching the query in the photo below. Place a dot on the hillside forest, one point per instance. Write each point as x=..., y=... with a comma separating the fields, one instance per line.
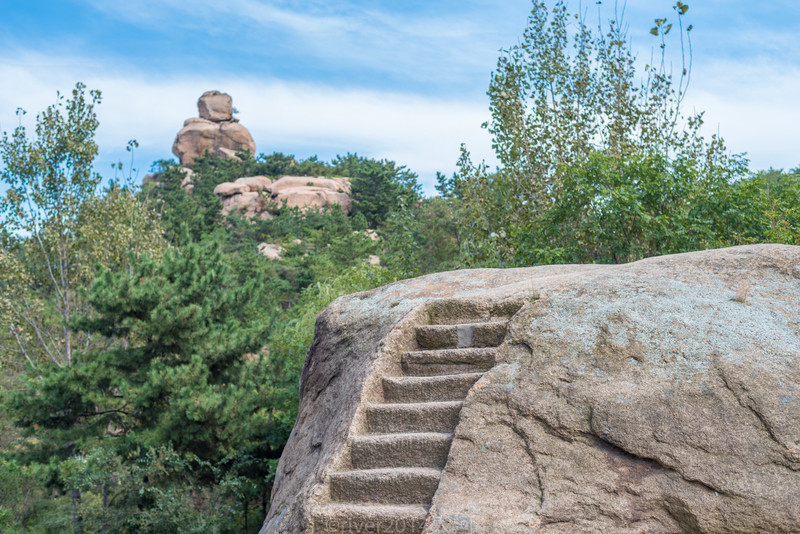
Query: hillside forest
x=150, y=356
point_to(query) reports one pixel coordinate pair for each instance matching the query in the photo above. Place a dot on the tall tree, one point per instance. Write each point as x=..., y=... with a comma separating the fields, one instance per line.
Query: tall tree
x=563, y=94
x=49, y=178
x=57, y=225
x=182, y=373
x=378, y=187
x=183, y=326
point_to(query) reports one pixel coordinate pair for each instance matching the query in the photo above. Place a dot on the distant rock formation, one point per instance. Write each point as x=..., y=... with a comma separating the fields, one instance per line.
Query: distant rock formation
x=661, y=396
x=261, y=197
x=270, y=251
x=216, y=130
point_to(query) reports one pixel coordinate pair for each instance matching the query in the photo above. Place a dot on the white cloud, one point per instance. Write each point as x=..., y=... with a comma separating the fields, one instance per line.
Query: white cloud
x=754, y=107
x=451, y=46
x=420, y=132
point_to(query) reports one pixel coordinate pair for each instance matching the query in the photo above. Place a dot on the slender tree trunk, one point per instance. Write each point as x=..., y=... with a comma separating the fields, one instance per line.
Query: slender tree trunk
x=67, y=345
x=67, y=331
x=246, y=509
x=77, y=528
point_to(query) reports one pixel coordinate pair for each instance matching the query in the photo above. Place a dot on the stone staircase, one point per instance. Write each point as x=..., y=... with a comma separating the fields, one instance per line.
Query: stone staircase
x=394, y=467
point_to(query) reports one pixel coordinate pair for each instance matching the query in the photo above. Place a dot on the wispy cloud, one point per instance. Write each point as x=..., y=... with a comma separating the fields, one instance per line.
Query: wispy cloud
x=450, y=46
x=404, y=81
x=753, y=105
x=421, y=132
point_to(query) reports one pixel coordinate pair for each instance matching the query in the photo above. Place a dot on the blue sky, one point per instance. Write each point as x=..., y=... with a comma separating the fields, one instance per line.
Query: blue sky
x=398, y=80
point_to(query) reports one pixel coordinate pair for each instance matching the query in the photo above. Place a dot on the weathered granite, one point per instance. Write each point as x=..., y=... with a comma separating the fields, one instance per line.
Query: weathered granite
x=659, y=396
x=303, y=192
x=216, y=131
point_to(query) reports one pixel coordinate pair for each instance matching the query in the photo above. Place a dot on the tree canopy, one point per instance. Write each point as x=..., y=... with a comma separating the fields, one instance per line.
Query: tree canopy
x=598, y=163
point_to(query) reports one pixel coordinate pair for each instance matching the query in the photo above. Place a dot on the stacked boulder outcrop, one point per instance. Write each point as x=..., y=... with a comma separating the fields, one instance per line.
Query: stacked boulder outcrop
x=262, y=197
x=215, y=130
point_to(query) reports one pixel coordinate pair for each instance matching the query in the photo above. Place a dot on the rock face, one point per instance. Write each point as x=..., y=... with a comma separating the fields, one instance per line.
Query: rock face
x=308, y=192
x=270, y=251
x=215, y=106
x=216, y=131
x=661, y=396
x=258, y=196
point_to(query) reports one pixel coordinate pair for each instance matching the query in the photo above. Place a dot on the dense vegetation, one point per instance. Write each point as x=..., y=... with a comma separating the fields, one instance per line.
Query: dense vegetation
x=149, y=356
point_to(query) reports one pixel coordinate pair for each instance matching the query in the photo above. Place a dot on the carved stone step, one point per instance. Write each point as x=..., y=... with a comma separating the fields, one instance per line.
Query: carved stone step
x=423, y=449
x=428, y=388
x=397, y=485
x=448, y=361
x=413, y=417
x=368, y=519
x=444, y=336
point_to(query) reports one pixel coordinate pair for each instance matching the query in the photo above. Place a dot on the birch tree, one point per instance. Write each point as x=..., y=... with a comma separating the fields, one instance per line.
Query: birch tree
x=56, y=225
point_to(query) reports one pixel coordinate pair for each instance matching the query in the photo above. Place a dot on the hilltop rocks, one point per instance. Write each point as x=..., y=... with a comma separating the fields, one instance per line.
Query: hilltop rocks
x=215, y=130
x=661, y=396
x=309, y=192
x=251, y=184
x=258, y=196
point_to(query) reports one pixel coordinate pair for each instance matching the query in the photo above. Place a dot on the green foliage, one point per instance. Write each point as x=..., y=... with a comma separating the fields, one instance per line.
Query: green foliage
x=114, y=226
x=49, y=177
x=24, y=500
x=597, y=166
x=157, y=492
x=609, y=210
x=278, y=164
x=767, y=208
x=421, y=238
x=56, y=226
x=378, y=187
x=180, y=370
x=181, y=327
x=293, y=334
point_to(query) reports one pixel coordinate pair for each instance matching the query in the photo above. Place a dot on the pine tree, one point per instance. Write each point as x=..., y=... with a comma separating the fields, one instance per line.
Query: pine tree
x=178, y=332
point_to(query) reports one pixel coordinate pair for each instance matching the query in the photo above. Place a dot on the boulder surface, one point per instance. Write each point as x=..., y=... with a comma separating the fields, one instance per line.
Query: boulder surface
x=660, y=396
x=215, y=106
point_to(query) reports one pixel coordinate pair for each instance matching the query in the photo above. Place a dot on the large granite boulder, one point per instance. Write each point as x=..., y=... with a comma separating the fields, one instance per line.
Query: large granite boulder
x=249, y=205
x=661, y=396
x=215, y=131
